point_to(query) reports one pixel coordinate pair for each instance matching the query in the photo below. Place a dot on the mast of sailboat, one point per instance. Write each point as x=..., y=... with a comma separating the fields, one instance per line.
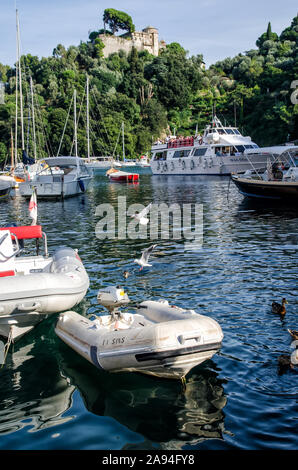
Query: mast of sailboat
x=87, y=120
x=11, y=147
x=123, y=149
x=20, y=80
x=33, y=118
x=17, y=92
x=75, y=121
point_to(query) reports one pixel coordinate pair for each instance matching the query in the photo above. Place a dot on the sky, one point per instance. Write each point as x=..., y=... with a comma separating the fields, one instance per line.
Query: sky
x=215, y=28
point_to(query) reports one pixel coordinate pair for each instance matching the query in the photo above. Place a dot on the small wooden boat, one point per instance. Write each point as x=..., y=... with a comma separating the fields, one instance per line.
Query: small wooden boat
x=33, y=287
x=122, y=176
x=159, y=339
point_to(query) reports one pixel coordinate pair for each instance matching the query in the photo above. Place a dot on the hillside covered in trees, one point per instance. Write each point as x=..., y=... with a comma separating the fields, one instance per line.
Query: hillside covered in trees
x=152, y=95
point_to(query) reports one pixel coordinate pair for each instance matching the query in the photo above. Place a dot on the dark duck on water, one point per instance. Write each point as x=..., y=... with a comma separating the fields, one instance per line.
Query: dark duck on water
x=279, y=308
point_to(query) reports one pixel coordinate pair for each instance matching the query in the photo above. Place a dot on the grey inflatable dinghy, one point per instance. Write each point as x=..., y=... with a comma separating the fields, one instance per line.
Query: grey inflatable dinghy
x=160, y=339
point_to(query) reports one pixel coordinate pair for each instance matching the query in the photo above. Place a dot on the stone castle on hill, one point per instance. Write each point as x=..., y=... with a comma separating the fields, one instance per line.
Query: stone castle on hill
x=146, y=40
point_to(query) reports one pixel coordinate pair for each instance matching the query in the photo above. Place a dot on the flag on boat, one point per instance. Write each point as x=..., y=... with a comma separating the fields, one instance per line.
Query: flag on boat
x=33, y=207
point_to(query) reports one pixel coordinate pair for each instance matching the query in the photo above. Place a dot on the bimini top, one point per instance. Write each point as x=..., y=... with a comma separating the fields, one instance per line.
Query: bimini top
x=64, y=161
x=278, y=149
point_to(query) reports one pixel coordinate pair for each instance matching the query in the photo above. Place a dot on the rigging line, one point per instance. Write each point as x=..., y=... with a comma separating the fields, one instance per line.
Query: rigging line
x=117, y=142
x=94, y=135
x=35, y=102
x=99, y=131
x=27, y=75
x=48, y=147
x=78, y=119
x=101, y=117
x=62, y=137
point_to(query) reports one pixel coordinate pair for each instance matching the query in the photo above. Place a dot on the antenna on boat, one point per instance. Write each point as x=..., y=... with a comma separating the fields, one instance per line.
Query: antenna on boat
x=235, y=119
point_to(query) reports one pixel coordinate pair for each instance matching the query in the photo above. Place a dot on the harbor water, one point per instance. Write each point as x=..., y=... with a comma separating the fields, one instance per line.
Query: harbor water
x=51, y=398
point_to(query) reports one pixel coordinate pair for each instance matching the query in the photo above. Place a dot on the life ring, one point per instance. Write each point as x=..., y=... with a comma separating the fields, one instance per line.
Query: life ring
x=183, y=165
x=192, y=165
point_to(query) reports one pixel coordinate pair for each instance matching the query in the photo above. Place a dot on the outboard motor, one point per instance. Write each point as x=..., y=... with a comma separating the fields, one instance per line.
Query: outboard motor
x=65, y=260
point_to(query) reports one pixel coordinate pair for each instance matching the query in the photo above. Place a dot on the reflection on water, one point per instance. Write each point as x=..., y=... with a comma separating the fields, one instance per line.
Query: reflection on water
x=237, y=400
x=33, y=393
x=157, y=409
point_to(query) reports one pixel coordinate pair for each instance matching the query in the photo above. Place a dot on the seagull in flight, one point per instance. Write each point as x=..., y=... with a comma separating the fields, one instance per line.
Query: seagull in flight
x=143, y=261
x=141, y=216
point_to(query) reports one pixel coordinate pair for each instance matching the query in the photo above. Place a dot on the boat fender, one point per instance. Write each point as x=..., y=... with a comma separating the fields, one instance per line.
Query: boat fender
x=172, y=166
x=192, y=165
x=82, y=186
x=183, y=165
x=165, y=166
x=158, y=165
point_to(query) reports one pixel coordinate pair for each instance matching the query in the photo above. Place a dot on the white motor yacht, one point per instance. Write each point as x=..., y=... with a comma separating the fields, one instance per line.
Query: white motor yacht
x=221, y=150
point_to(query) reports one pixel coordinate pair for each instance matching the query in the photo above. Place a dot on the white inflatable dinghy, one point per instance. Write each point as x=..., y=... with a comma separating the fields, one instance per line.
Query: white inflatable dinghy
x=160, y=339
x=33, y=287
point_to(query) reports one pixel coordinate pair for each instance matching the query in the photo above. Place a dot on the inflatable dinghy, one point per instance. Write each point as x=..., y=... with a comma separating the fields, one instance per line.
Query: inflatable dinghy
x=33, y=287
x=160, y=339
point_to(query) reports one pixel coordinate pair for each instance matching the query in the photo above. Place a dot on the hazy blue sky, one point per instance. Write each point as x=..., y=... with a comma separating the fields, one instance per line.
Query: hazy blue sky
x=215, y=28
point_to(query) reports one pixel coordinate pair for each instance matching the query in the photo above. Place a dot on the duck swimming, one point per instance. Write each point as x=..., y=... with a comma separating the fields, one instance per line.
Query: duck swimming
x=279, y=308
x=284, y=362
x=294, y=334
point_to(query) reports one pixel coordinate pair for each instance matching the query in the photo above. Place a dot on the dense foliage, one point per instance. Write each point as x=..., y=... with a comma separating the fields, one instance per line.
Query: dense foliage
x=152, y=95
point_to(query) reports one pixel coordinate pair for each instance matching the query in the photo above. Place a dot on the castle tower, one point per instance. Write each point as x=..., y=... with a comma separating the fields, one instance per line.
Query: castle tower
x=152, y=34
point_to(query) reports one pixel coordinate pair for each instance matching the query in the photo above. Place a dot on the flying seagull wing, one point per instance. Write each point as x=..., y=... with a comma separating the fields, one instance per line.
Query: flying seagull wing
x=145, y=211
x=146, y=253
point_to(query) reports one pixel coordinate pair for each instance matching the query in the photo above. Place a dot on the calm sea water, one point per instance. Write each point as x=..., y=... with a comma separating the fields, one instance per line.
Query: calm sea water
x=51, y=398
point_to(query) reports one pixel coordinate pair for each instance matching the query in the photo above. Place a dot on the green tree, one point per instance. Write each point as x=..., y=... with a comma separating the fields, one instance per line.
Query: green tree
x=116, y=20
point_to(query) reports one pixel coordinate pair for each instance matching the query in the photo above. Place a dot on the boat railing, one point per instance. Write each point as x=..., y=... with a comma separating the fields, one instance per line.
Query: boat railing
x=185, y=142
x=29, y=232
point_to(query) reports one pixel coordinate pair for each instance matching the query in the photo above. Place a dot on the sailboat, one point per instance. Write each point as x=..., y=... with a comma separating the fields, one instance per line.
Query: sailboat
x=61, y=176
x=124, y=162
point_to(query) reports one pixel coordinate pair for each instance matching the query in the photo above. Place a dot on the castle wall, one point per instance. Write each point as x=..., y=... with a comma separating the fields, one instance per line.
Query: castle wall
x=144, y=40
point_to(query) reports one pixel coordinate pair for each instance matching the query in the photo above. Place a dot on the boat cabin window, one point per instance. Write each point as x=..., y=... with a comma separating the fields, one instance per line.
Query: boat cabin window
x=160, y=156
x=181, y=153
x=240, y=148
x=199, y=152
x=237, y=132
x=249, y=146
x=229, y=131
